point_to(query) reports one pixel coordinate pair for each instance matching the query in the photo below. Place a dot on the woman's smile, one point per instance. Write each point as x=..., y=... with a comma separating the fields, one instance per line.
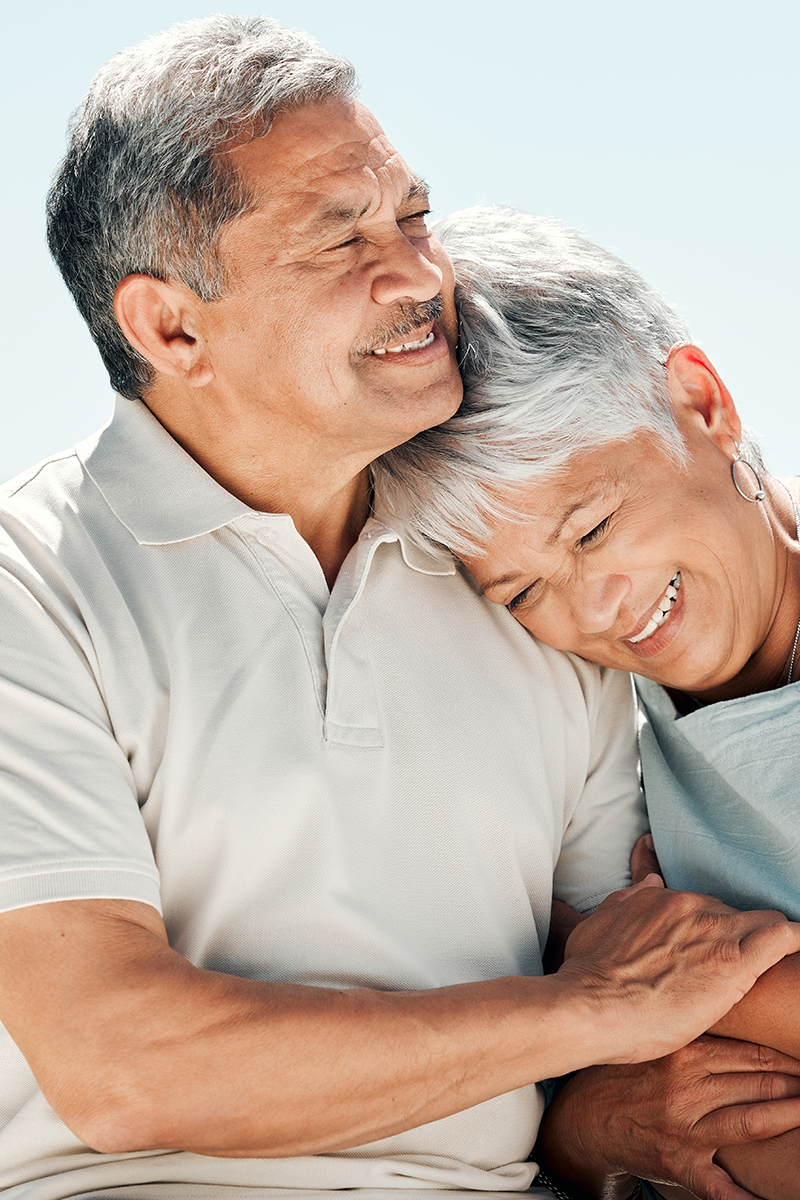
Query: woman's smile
x=644, y=642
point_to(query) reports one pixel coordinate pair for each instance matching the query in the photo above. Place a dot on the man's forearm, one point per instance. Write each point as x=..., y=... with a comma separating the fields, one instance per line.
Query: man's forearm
x=156, y=1053
x=136, y=1048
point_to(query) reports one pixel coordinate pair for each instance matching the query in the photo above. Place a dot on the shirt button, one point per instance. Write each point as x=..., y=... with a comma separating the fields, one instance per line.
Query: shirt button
x=265, y=536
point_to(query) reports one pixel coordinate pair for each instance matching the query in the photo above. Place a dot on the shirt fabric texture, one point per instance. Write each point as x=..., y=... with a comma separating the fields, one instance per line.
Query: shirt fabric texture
x=723, y=795
x=373, y=787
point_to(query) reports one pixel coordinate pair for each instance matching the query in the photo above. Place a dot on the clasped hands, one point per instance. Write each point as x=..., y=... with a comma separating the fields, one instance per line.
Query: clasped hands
x=681, y=1118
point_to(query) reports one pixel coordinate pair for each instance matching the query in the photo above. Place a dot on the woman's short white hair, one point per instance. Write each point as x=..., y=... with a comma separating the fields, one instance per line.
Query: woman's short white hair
x=562, y=347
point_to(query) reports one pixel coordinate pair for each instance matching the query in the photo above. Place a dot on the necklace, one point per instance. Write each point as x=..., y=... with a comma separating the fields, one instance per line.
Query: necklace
x=797, y=530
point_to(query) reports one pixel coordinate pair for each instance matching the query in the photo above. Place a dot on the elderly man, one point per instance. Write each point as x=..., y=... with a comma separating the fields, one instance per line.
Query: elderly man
x=281, y=795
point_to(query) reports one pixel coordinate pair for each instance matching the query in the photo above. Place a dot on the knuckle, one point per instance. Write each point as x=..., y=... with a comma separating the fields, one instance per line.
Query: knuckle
x=688, y=903
x=683, y=1059
x=747, y=1123
x=766, y=1058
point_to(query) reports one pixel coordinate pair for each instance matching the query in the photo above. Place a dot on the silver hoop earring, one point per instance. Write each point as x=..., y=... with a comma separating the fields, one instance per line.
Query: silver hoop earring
x=741, y=460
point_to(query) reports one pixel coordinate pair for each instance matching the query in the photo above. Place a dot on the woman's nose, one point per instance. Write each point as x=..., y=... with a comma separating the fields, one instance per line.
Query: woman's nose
x=596, y=602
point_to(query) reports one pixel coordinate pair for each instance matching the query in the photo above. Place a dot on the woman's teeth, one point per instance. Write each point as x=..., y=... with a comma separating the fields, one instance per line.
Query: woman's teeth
x=665, y=607
x=426, y=341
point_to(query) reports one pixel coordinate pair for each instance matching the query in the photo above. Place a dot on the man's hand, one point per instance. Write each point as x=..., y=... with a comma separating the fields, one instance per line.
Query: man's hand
x=665, y=1120
x=657, y=968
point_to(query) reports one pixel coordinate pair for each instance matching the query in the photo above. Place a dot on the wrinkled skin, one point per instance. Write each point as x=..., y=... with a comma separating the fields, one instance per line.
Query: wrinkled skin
x=662, y=1120
x=718, y=1116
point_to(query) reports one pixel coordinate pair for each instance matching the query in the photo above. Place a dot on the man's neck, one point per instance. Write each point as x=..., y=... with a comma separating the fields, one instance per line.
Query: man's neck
x=328, y=501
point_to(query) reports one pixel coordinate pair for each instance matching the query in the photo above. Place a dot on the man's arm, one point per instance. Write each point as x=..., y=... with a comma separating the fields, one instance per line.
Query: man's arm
x=136, y=1048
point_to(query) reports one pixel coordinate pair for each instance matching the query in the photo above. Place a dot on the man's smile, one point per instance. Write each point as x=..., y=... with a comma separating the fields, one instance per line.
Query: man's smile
x=417, y=345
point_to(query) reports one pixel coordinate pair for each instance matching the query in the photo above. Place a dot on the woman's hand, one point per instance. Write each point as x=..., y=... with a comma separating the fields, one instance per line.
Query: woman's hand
x=564, y=919
x=644, y=861
x=665, y=1120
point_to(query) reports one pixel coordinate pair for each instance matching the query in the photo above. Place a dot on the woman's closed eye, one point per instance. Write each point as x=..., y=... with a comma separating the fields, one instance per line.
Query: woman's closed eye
x=526, y=595
x=595, y=533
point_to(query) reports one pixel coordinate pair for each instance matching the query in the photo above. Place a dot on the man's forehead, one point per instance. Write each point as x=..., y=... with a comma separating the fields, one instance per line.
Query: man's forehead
x=321, y=153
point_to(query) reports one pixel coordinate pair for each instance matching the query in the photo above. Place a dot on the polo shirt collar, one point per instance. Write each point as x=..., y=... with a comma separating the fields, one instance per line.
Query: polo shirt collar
x=153, y=487
x=429, y=560
x=161, y=495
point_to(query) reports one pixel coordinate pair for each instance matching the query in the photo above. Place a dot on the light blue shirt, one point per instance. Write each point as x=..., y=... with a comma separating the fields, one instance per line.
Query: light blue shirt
x=723, y=794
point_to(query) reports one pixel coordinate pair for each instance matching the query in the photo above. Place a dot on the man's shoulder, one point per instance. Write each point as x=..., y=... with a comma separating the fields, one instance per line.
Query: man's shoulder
x=28, y=483
x=38, y=498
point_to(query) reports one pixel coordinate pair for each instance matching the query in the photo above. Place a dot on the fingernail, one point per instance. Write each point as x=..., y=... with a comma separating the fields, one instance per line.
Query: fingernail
x=648, y=841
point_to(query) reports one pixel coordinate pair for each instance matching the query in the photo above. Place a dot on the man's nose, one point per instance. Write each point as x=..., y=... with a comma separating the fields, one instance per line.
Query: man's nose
x=596, y=602
x=405, y=273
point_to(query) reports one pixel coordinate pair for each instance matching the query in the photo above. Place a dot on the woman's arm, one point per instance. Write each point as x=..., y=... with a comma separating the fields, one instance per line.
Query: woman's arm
x=770, y=1013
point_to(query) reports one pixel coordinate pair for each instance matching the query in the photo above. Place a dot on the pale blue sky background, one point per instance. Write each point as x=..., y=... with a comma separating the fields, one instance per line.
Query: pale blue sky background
x=666, y=131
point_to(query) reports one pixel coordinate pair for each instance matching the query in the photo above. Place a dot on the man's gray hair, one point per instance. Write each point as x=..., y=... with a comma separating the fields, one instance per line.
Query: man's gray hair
x=562, y=348
x=143, y=186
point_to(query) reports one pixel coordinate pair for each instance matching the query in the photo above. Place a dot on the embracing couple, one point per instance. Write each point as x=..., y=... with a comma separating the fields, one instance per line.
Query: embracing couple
x=287, y=786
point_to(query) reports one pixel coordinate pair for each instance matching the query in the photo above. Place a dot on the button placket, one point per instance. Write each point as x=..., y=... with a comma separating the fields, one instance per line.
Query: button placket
x=300, y=596
x=352, y=713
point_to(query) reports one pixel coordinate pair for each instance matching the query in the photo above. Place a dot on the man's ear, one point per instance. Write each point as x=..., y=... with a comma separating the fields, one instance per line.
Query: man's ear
x=699, y=395
x=160, y=320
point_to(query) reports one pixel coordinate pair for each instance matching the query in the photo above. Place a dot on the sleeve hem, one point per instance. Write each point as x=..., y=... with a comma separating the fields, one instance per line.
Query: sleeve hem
x=90, y=883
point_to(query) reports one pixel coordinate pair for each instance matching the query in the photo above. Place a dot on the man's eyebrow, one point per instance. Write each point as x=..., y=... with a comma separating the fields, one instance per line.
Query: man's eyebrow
x=418, y=190
x=348, y=214
x=341, y=214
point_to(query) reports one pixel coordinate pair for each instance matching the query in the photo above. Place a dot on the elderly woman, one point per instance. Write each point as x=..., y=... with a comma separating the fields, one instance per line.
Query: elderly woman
x=597, y=481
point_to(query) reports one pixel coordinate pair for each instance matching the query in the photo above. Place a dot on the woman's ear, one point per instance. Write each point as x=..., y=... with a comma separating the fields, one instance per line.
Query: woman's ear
x=161, y=321
x=698, y=395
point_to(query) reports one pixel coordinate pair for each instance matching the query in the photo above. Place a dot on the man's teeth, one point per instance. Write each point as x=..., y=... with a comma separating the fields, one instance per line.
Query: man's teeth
x=665, y=607
x=426, y=341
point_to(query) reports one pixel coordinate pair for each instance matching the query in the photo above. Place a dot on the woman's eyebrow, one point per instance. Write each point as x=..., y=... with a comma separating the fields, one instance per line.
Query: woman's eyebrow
x=585, y=501
x=499, y=582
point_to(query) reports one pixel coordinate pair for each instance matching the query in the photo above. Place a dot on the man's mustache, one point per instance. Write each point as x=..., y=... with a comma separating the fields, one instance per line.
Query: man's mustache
x=410, y=317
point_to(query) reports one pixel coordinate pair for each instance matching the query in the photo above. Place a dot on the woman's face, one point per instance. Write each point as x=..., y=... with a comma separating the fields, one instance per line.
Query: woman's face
x=633, y=562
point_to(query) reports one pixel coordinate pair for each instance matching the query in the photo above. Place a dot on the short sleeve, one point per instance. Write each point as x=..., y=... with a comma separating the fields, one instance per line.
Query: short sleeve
x=70, y=816
x=610, y=813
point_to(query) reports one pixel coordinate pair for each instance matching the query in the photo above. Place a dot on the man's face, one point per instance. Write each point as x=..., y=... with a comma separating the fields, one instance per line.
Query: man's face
x=331, y=324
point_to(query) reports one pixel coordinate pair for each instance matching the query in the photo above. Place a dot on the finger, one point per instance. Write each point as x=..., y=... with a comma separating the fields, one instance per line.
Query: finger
x=751, y=1122
x=563, y=919
x=643, y=859
x=720, y=1055
x=721, y=1093
x=770, y=938
x=650, y=881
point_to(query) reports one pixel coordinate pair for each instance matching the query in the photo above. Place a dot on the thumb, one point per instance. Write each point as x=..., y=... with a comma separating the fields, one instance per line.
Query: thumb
x=650, y=881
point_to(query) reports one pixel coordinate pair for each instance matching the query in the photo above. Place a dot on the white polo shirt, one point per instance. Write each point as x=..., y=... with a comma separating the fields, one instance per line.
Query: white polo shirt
x=372, y=787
